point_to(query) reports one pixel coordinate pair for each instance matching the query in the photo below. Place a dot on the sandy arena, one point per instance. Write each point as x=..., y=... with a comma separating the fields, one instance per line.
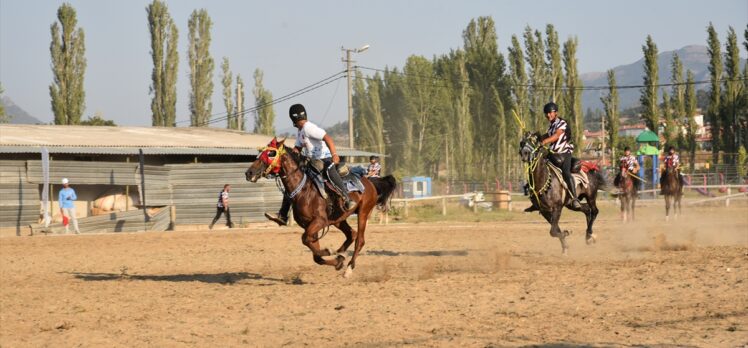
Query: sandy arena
x=477, y=284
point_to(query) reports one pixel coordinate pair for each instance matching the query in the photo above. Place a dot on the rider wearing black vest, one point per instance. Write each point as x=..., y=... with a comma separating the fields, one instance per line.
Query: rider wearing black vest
x=560, y=139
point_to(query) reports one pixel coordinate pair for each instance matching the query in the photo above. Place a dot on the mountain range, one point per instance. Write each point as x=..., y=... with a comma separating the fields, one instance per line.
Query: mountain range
x=17, y=114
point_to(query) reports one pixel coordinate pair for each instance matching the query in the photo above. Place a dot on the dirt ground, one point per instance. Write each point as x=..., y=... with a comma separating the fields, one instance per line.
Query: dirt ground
x=682, y=283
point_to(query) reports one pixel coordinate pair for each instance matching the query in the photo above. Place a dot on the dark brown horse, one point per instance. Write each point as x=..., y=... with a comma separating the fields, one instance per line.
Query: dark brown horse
x=629, y=189
x=311, y=211
x=672, y=188
x=547, y=191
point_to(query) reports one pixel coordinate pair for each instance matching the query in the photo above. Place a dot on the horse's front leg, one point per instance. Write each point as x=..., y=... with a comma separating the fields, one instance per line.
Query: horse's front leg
x=555, y=216
x=309, y=238
x=667, y=207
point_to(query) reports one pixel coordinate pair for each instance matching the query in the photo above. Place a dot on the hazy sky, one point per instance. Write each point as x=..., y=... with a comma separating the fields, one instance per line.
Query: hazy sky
x=297, y=43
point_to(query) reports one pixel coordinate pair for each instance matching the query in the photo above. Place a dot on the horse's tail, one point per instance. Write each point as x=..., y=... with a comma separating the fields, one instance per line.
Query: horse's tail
x=385, y=186
x=599, y=178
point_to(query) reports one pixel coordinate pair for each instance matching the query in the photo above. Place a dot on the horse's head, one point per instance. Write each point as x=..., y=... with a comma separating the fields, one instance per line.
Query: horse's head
x=268, y=162
x=528, y=144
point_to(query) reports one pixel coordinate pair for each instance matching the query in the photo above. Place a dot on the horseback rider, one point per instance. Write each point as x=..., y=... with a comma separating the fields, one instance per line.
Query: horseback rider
x=627, y=161
x=319, y=147
x=672, y=160
x=560, y=139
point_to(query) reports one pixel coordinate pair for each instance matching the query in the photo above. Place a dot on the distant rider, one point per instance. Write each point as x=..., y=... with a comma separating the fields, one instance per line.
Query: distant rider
x=627, y=161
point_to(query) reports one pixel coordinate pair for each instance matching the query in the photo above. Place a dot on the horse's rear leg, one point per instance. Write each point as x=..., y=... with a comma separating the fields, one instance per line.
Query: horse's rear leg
x=310, y=240
x=363, y=216
x=591, y=216
x=667, y=207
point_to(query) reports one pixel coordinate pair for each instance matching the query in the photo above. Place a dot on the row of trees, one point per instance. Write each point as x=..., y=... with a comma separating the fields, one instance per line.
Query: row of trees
x=727, y=111
x=457, y=111
x=69, y=65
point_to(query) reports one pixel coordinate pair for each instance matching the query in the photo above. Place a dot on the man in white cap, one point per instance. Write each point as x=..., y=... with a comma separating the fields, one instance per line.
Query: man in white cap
x=66, y=200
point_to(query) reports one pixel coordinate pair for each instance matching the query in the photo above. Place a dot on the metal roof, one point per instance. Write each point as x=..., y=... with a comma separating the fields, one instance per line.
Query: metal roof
x=129, y=140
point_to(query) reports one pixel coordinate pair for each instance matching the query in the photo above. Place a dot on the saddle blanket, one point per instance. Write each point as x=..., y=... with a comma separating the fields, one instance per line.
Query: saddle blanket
x=579, y=178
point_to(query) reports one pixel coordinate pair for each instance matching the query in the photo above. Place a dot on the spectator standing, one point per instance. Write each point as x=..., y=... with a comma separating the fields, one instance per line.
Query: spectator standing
x=223, y=207
x=67, y=199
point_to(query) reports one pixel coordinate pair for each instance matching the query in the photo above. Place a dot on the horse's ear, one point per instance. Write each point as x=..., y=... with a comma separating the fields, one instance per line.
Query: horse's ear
x=282, y=141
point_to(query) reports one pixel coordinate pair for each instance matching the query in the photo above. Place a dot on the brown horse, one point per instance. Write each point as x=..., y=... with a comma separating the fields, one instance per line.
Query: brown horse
x=629, y=189
x=672, y=188
x=311, y=211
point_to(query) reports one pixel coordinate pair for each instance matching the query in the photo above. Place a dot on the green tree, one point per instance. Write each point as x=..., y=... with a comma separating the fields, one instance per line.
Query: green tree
x=690, y=106
x=678, y=90
x=240, y=102
x=232, y=121
x=553, y=55
x=368, y=116
x=538, y=93
x=68, y=67
x=648, y=98
x=97, y=120
x=670, y=129
x=459, y=152
x=164, y=37
x=4, y=117
x=485, y=66
x=610, y=104
x=715, y=70
x=397, y=125
x=519, y=82
x=420, y=96
x=201, y=68
x=264, y=114
x=573, y=98
x=731, y=98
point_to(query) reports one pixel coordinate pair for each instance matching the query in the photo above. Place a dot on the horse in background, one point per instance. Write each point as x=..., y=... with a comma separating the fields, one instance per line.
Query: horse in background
x=628, y=191
x=671, y=186
x=548, y=193
x=312, y=211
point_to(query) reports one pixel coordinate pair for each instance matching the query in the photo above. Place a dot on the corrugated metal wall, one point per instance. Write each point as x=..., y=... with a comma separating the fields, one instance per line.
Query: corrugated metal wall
x=192, y=188
x=195, y=189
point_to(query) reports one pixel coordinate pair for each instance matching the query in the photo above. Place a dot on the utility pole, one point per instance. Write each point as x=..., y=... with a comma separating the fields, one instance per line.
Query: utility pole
x=348, y=62
x=602, y=119
x=239, y=107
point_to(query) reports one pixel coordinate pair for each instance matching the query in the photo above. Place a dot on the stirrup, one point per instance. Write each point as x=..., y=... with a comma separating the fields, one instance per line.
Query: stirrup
x=578, y=204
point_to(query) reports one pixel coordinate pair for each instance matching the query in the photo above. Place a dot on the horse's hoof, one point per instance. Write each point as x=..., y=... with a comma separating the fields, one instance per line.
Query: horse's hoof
x=567, y=233
x=348, y=272
x=341, y=262
x=591, y=239
x=667, y=218
x=565, y=252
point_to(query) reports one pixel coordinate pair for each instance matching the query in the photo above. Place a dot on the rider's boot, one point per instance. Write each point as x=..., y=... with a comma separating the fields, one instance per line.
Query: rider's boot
x=277, y=218
x=334, y=176
x=573, y=191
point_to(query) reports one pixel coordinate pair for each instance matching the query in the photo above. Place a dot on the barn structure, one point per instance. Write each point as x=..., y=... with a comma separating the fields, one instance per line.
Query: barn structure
x=184, y=169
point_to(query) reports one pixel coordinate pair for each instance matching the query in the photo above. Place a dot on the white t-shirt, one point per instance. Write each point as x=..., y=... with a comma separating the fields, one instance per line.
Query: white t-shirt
x=310, y=140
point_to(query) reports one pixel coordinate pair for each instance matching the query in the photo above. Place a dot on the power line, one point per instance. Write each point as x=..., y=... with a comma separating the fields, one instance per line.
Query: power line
x=304, y=90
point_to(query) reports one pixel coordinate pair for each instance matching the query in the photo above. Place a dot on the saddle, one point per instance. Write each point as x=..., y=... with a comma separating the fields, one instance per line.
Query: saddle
x=351, y=179
x=579, y=177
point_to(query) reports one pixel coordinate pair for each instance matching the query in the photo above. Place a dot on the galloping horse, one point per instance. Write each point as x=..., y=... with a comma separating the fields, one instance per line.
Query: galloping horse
x=311, y=211
x=629, y=189
x=547, y=190
x=672, y=188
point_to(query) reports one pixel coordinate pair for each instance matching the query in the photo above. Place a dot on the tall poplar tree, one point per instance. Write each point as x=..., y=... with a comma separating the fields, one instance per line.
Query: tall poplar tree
x=690, y=107
x=649, y=91
x=68, y=67
x=610, y=103
x=555, y=74
x=715, y=71
x=538, y=92
x=573, y=97
x=669, y=132
x=459, y=151
x=519, y=82
x=164, y=37
x=733, y=91
x=240, y=110
x=679, y=89
x=228, y=97
x=264, y=114
x=201, y=68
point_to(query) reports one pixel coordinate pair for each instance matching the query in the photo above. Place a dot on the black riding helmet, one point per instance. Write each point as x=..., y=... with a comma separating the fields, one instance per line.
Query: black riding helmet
x=297, y=113
x=550, y=107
